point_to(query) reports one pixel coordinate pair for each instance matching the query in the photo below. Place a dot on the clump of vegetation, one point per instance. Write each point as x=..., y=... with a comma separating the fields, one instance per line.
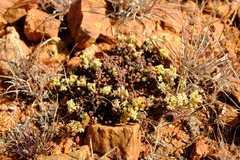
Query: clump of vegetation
x=116, y=87
x=28, y=142
x=132, y=8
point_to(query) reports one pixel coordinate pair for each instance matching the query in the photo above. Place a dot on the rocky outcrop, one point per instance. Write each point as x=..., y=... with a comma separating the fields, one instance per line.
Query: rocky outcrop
x=87, y=21
x=39, y=25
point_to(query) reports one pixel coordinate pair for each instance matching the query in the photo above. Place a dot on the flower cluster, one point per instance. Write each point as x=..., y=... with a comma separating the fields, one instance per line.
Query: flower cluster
x=152, y=45
x=64, y=83
x=165, y=77
x=195, y=99
x=106, y=90
x=74, y=127
x=121, y=92
x=72, y=106
x=182, y=99
x=87, y=62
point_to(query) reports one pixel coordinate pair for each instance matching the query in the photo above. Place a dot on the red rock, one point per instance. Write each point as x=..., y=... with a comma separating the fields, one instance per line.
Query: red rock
x=3, y=24
x=172, y=21
x=140, y=29
x=200, y=150
x=217, y=29
x=14, y=14
x=126, y=139
x=5, y=4
x=188, y=6
x=87, y=20
x=39, y=25
x=221, y=9
x=82, y=153
x=228, y=115
x=90, y=51
x=72, y=66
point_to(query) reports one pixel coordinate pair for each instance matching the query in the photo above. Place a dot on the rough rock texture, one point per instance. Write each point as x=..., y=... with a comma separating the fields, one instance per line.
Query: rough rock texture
x=3, y=23
x=14, y=14
x=82, y=153
x=5, y=4
x=13, y=50
x=172, y=20
x=39, y=25
x=222, y=9
x=87, y=20
x=141, y=29
x=126, y=139
x=200, y=150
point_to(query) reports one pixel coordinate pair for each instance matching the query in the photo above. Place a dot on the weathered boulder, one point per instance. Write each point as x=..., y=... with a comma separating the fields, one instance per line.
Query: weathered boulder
x=39, y=25
x=14, y=14
x=13, y=51
x=87, y=21
x=5, y=4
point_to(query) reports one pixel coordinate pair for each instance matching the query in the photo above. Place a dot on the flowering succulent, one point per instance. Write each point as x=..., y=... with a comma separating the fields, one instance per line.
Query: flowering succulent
x=114, y=72
x=123, y=83
x=182, y=99
x=91, y=86
x=106, y=90
x=137, y=54
x=139, y=103
x=121, y=92
x=195, y=99
x=164, y=87
x=72, y=106
x=74, y=127
x=56, y=81
x=96, y=63
x=164, y=53
x=63, y=88
x=85, y=61
x=81, y=82
x=171, y=101
x=85, y=118
x=128, y=112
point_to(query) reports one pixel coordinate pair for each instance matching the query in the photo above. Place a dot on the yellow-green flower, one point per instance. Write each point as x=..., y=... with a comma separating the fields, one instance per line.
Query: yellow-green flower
x=91, y=86
x=182, y=99
x=105, y=90
x=81, y=82
x=72, y=106
x=139, y=102
x=96, y=63
x=56, y=81
x=163, y=53
x=195, y=99
x=171, y=101
x=63, y=88
x=74, y=127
